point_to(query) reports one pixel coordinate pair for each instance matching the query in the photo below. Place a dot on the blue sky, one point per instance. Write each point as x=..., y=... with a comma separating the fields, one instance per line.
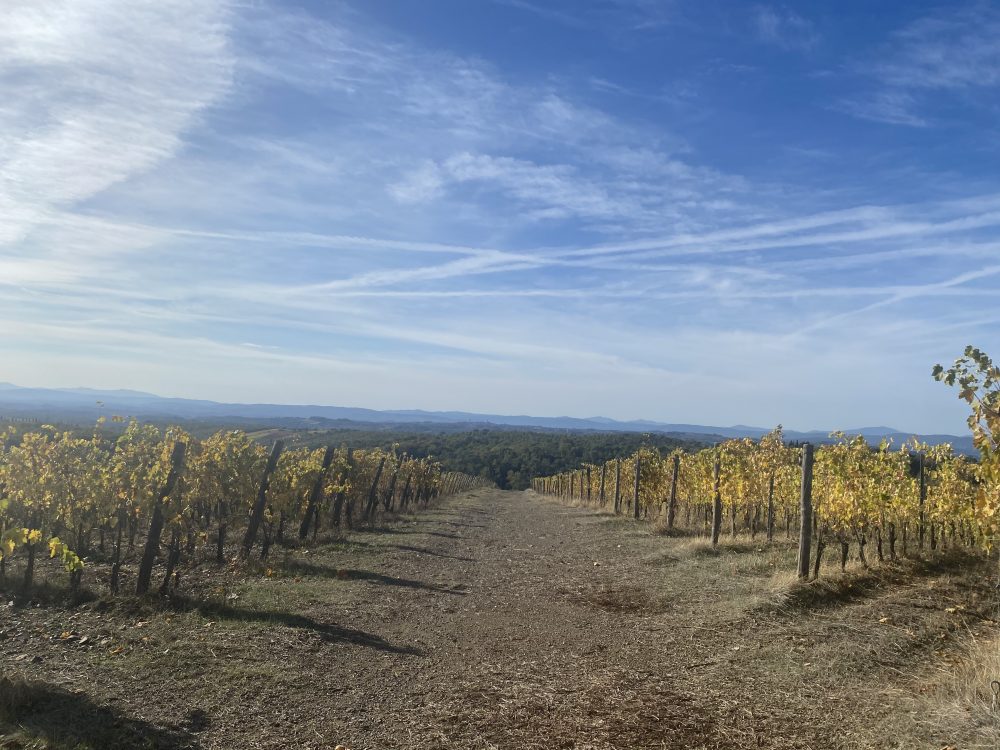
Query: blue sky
x=713, y=212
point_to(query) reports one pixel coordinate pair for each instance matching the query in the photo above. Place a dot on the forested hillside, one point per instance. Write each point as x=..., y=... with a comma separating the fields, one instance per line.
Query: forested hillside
x=509, y=458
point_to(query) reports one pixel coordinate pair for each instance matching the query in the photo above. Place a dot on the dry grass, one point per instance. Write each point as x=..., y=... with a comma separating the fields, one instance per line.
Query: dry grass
x=958, y=699
x=692, y=546
x=972, y=684
x=660, y=527
x=856, y=582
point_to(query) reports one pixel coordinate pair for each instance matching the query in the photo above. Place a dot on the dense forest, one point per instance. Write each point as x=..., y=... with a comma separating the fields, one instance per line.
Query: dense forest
x=508, y=457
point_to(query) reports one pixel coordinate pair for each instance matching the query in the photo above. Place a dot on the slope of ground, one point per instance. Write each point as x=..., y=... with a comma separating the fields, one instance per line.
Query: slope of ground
x=498, y=620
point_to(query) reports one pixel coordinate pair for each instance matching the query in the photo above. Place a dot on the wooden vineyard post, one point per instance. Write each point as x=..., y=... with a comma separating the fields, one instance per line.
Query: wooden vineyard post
x=156, y=522
x=373, y=492
x=588, y=485
x=672, y=504
x=635, y=489
x=923, y=502
x=572, y=485
x=716, y=503
x=404, y=499
x=770, y=509
x=389, y=501
x=258, y=507
x=601, y=498
x=805, y=521
x=618, y=486
x=338, y=500
x=314, y=495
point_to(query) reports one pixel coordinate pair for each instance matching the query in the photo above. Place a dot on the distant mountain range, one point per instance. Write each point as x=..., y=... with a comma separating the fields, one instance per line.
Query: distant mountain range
x=87, y=404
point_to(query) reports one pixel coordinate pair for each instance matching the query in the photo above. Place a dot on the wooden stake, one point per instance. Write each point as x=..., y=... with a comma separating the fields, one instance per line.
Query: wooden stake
x=770, y=509
x=156, y=521
x=314, y=495
x=618, y=486
x=805, y=511
x=258, y=507
x=923, y=502
x=672, y=505
x=717, y=504
x=635, y=491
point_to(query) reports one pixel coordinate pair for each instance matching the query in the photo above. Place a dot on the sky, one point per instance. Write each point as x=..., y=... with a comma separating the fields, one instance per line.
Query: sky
x=709, y=212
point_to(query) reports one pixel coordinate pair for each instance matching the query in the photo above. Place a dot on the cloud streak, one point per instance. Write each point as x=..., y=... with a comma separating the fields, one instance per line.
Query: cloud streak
x=947, y=55
x=89, y=102
x=785, y=28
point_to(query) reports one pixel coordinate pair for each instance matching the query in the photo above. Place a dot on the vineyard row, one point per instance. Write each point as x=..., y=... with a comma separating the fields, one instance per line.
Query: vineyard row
x=113, y=500
x=844, y=493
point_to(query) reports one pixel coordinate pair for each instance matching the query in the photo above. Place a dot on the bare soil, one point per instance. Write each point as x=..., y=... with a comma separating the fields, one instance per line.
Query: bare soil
x=504, y=620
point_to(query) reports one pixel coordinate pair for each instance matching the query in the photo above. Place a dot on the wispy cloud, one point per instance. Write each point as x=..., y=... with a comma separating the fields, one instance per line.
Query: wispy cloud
x=784, y=28
x=467, y=126
x=607, y=15
x=96, y=92
x=893, y=107
x=951, y=53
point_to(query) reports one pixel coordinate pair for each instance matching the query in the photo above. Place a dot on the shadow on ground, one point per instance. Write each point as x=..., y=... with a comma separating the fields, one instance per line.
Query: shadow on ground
x=329, y=632
x=297, y=567
x=845, y=588
x=425, y=551
x=32, y=712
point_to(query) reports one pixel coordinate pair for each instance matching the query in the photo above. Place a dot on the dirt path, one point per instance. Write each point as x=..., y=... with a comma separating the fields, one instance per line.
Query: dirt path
x=523, y=645
x=497, y=620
